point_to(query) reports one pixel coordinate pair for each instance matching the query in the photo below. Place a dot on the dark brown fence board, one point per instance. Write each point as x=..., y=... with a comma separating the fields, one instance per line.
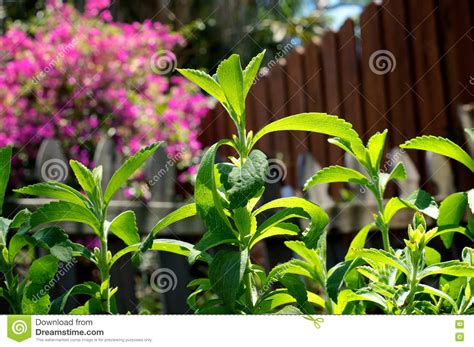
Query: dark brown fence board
x=278, y=108
x=351, y=83
x=374, y=92
x=261, y=112
x=400, y=96
x=295, y=81
x=333, y=95
x=316, y=98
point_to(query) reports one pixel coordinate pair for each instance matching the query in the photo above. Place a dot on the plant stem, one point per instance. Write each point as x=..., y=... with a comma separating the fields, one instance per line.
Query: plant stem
x=413, y=283
x=9, y=281
x=104, y=273
x=249, y=285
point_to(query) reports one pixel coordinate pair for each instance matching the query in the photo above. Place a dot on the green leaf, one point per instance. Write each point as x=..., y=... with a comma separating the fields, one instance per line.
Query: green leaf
x=308, y=254
x=382, y=257
x=5, y=158
x=17, y=242
x=441, y=146
x=432, y=256
x=436, y=292
x=251, y=71
x=56, y=240
x=43, y=270
x=375, y=148
x=337, y=274
x=92, y=306
x=127, y=169
x=124, y=226
x=84, y=176
x=319, y=218
x=451, y=268
x=166, y=245
x=61, y=211
x=206, y=82
x=229, y=74
x=88, y=288
x=54, y=190
x=358, y=241
x=398, y=173
x=336, y=173
x=181, y=213
x=419, y=200
x=297, y=289
x=209, y=204
x=278, y=229
x=318, y=123
x=347, y=295
x=36, y=304
x=226, y=272
x=470, y=199
x=243, y=183
x=451, y=212
x=21, y=218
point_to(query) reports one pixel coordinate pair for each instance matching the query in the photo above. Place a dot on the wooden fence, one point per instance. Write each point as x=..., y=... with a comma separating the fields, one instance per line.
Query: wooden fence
x=407, y=68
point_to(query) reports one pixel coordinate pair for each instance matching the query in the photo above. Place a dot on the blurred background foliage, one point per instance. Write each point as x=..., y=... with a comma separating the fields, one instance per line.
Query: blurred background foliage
x=213, y=28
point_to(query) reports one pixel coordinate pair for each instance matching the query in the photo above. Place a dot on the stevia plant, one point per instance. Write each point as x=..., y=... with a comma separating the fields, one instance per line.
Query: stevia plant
x=28, y=294
x=227, y=197
x=91, y=208
x=392, y=279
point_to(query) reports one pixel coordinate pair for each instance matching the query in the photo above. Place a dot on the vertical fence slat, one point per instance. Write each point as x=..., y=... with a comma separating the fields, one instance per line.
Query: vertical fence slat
x=333, y=96
x=399, y=81
x=278, y=109
x=351, y=83
x=296, y=97
x=261, y=112
x=375, y=102
x=316, y=98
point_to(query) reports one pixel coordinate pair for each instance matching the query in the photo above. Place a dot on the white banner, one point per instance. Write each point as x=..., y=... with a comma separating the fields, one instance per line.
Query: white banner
x=241, y=331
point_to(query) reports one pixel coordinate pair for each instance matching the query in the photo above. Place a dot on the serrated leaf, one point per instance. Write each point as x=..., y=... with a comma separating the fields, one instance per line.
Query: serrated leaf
x=54, y=190
x=243, y=183
x=318, y=123
x=43, y=270
x=61, y=211
x=347, y=295
x=289, y=229
x=336, y=173
x=319, y=218
x=229, y=74
x=5, y=158
x=181, y=213
x=398, y=173
x=451, y=212
x=128, y=169
x=419, y=200
x=337, y=274
x=88, y=288
x=432, y=256
x=375, y=148
x=124, y=226
x=441, y=146
x=451, y=268
x=251, y=71
x=382, y=257
x=208, y=202
x=358, y=241
x=83, y=175
x=206, y=82
x=226, y=272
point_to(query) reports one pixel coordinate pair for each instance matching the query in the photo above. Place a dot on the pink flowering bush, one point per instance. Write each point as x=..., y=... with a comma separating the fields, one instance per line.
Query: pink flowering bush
x=78, y=77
